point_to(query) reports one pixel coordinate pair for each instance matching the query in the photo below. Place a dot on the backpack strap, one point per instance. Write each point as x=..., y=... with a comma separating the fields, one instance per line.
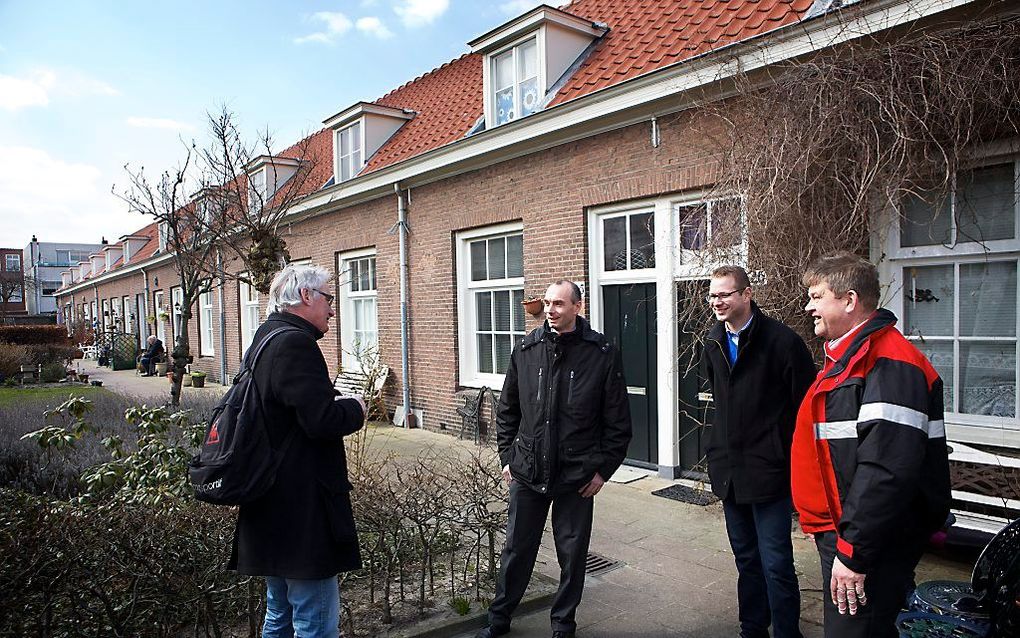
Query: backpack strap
x=251, y=358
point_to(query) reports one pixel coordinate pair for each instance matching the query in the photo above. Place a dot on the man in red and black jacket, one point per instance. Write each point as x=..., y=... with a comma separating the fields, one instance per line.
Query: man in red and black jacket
x=870, y=470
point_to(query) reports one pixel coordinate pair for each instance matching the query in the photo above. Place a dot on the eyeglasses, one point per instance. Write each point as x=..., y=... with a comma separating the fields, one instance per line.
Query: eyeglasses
x=329, y=297
x=722, y=296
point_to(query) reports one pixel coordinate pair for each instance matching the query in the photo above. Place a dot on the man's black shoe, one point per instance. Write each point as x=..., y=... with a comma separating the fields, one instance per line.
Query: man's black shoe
x=492, y=632
x=563, y=634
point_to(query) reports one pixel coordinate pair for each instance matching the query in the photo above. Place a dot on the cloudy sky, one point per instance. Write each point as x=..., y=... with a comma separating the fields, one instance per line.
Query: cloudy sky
x=87, y=87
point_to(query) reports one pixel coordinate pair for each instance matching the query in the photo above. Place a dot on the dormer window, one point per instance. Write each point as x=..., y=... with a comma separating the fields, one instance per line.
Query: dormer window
x=164, y=236
x=526, y=57
x=360, y=131
x=266, y=175
x=350, y=159
x=515, y=82
x=256, y=190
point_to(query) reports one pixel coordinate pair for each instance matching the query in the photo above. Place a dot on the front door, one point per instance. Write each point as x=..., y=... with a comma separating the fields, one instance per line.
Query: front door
x=694, y=398
x=630, y=326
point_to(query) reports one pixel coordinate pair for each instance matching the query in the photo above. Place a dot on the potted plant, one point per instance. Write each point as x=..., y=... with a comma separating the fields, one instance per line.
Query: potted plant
x=533, y=306
x=163, y=316
x=198, y=379
x=161, y=368
x=151, y=318
x=186, y=380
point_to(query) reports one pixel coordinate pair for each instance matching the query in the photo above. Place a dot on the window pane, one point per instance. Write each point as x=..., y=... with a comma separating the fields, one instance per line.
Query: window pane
x=356, y=137
x=364, y=276
x=485, y=353
x=505, y=106
x=940, y=353
x=726, y=226
x=501, y=309
x=503, y=348
x=483, y=303
x=614, y=243
x=497, y=258
x=354, y=275
x=478, y=261
x=693, y=226
x=986, y=203
x=518, y=309
x=642, y=241
x=515, y=256
x=371, y=265
x=527, y=60
x=528, y=96
x=988, y=379
x=503, y=67
x=988, y=299
x=925, y=220
x=928, y=300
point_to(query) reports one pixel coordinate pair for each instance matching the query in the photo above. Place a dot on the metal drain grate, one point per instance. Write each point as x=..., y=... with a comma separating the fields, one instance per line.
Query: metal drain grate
x=596, y=564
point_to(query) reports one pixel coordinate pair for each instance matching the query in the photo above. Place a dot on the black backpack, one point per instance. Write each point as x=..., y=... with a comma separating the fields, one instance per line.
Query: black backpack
x=237, y=463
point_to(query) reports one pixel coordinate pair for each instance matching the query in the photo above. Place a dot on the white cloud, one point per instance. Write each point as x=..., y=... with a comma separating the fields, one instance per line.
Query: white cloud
x=55, y=199
x=517, y=7
x=373, y=26
x=38, y=87
x=159, y=122
x=336, y=23
x=18, y=93
x=417, y=13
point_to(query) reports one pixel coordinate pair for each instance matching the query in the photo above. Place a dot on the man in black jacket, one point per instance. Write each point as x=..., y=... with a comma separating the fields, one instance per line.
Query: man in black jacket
x=563, y=426
x=301, y=533
x=759, y=370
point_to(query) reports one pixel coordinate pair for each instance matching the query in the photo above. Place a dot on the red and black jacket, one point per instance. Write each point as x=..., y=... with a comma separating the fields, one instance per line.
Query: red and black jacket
x=869, y=457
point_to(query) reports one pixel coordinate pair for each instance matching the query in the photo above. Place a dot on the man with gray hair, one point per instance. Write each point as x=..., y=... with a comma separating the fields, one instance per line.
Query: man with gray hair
x=300, y=535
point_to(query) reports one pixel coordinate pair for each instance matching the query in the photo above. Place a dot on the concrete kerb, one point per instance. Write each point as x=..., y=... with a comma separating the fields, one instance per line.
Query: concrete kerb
x=541, y=592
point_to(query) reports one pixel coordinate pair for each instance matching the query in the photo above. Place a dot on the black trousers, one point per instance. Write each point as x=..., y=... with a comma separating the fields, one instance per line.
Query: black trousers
x=571, y=523
x=887, y=586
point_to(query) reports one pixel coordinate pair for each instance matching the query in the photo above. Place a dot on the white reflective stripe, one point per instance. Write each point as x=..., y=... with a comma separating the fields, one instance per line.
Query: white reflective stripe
x=937, y=429
x=836, y=430
x=894, y=413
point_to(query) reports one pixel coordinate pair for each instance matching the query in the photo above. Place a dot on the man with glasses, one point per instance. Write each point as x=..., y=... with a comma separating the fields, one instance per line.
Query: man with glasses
x=301, y=533
x=758, y=370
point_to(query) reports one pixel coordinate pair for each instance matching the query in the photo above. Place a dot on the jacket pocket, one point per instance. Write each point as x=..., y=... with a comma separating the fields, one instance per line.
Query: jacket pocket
x=523, y=460
x=336, y=504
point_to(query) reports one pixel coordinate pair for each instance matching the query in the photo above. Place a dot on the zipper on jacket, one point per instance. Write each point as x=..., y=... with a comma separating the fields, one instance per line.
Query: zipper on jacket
x=570, y=389
x=539, y=385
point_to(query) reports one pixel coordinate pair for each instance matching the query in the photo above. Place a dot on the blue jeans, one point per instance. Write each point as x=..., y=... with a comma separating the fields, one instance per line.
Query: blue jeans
x=767, y=589
x=302, y=608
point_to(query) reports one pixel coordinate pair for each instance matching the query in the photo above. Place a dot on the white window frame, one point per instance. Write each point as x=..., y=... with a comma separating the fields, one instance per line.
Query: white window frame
x=961, y=427
x=468, y=350
x=698, y=264
x=125, y=302
x=348, y=300
x=117, y=314
x=490, y=76
x=345, y=165
x=628, y=274
x=163, y=231
x=248, y=301
x=107, y=317
x=93, y=316
x=12, y=257
x=254, y=206
x=206, y=334
x=158, y=301
x=176, y=312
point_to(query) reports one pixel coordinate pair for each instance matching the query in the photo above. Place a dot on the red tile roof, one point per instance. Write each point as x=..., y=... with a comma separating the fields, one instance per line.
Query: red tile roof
x=644, y=36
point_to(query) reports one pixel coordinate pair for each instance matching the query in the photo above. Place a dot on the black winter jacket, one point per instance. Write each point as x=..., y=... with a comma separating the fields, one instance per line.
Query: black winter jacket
x=756, y=403
x=304, y=526
x=563, y=414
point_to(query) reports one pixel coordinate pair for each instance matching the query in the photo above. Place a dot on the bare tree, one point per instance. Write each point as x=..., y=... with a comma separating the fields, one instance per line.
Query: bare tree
x=190, y=233
x=15, y=287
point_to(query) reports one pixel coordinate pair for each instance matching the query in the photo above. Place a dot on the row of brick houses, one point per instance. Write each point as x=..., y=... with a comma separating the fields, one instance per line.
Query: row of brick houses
x=565, y=144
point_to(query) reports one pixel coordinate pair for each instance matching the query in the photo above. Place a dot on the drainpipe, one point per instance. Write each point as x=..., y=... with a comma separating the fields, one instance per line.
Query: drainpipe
x=223, y=322
x=404, y=353
x=33, y=250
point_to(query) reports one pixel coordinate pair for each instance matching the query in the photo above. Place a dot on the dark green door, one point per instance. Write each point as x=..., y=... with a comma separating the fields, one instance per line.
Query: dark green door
x=694, y=403
x=630, y=325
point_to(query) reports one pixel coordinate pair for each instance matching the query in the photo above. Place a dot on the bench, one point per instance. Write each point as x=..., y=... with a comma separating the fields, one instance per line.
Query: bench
x=33, y=372
x=369, y=386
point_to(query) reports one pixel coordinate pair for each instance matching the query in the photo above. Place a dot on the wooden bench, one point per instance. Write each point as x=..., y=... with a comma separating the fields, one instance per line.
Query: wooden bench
x=357, y=382
x=32, y=372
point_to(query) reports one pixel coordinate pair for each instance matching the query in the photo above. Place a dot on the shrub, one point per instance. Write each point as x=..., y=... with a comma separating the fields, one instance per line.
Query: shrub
x=32, y=335
x=12, y=357
x=52, y=353
x=53, y=372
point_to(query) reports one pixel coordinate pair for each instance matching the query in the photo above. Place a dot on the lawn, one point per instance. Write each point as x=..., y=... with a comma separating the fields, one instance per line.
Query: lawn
x=50, y=396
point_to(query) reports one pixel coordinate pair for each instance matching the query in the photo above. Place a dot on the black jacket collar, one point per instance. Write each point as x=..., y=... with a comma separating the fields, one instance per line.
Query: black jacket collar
x=718, y=331
x=583, y=328
x=294, y=320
